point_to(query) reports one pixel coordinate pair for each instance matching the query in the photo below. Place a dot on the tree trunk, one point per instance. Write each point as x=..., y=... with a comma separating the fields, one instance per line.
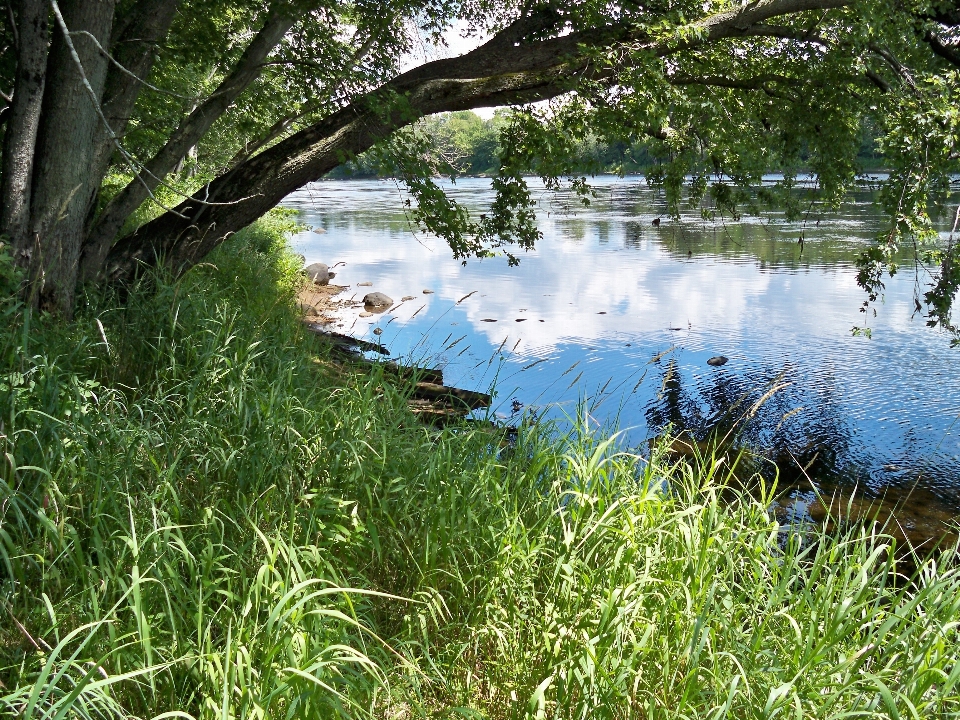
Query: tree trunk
x=186, y=136
x=181, y=239
x=134, y=46
x=76, y=71
x=22, y=124
x=506, y=70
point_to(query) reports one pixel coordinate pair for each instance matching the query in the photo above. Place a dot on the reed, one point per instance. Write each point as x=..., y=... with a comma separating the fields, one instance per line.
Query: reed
x=201, y=518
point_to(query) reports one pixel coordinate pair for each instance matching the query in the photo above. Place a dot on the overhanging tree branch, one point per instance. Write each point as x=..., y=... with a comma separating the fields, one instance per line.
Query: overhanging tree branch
x=189, y=132
x=501, y=72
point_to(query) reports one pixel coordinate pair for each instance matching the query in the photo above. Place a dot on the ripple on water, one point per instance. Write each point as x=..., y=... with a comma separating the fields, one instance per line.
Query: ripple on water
x=882, y=412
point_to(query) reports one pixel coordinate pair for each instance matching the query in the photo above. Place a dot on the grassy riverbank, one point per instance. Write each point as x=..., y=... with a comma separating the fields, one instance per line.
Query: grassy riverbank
x=200, y=517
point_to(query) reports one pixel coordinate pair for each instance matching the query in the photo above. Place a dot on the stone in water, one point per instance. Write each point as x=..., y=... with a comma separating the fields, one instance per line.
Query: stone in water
x=319, y=273
x=717, y=361
x=408, y=297
x=428, y=292
x=377, y=299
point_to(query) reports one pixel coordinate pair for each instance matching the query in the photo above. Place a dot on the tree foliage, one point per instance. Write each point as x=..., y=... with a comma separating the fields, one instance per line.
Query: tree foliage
x=141, y=103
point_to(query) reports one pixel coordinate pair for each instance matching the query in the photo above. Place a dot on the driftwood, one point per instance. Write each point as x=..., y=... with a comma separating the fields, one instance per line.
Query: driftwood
x=454, y=396
x=430, y=399
x=345, y=341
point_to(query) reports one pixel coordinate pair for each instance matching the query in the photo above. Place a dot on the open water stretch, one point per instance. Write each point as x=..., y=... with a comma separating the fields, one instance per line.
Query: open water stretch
x=625, y=314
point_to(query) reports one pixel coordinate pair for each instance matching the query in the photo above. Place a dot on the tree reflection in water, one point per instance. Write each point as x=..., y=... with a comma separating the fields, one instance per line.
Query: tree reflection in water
x=801, y=440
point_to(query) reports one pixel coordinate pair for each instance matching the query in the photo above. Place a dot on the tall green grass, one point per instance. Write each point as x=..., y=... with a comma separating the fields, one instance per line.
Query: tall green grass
x=200, y=517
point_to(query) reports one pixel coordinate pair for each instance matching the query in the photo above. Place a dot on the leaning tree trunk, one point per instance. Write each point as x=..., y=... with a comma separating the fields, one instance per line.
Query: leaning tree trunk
x=21, y=136
x=508, y=69
x=70, y=119
x=186, y=136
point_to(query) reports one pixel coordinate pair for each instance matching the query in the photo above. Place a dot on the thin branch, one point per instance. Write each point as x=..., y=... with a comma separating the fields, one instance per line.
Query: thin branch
x=281, y=126
x=127, y=72
x=13, y=25
x=878, y=81
x=762, y=83
x=898, y=67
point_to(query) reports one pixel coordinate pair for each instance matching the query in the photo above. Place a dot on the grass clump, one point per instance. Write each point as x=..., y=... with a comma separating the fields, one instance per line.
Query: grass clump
x=200, y=518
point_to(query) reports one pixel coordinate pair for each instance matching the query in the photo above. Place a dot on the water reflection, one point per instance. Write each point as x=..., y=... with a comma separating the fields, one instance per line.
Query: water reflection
x=606, y=291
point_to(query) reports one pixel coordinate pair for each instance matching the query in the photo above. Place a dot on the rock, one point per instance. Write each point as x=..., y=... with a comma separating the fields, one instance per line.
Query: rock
x=377, y=300
x=656, y=222
x=378, y=331
x=408, y=297
x=365, y=284
x=602, y=312
x=366, y=314
x=319, y=273
x=520, y=320
x=717, y=361
x=428, y=292
x=319, y=230
x=488, y=320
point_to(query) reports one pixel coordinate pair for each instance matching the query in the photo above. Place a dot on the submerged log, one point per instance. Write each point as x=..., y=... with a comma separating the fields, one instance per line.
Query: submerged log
x=467, y=399
x=430, y=399
x=345, y=341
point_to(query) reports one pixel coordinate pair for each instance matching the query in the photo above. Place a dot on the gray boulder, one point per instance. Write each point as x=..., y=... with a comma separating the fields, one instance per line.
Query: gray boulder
x=318, y=273
x=717, y=361
x=377, y=300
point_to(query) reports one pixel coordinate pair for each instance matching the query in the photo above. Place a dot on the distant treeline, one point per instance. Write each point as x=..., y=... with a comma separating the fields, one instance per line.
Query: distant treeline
x=471, y=146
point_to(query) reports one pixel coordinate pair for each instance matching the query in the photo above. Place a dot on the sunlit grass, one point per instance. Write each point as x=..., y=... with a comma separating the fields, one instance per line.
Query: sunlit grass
x=198, y=520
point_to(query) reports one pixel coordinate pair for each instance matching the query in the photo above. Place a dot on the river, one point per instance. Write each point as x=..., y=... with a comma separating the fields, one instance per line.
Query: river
x=620, y=314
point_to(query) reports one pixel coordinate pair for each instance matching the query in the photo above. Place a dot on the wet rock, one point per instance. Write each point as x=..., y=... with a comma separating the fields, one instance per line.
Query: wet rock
x=488, y=320
x=656, y=222
x=428, y=292
x=365, y=284
x=408, y=297
x=521, y=320
x=378, y=331
x=366, y=314
x=320, y=230
x=318, y=273
x=602, y=312
x=377, y=300
x=717, y=361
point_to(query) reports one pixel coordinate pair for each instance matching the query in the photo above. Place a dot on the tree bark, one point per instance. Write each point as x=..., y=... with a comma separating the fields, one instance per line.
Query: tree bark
x=187, y=135
x=65, y=147
x=134, y=47
x=20, y=140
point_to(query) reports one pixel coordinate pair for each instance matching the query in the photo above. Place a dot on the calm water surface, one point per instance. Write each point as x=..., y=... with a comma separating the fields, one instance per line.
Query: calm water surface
x=615, y=311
